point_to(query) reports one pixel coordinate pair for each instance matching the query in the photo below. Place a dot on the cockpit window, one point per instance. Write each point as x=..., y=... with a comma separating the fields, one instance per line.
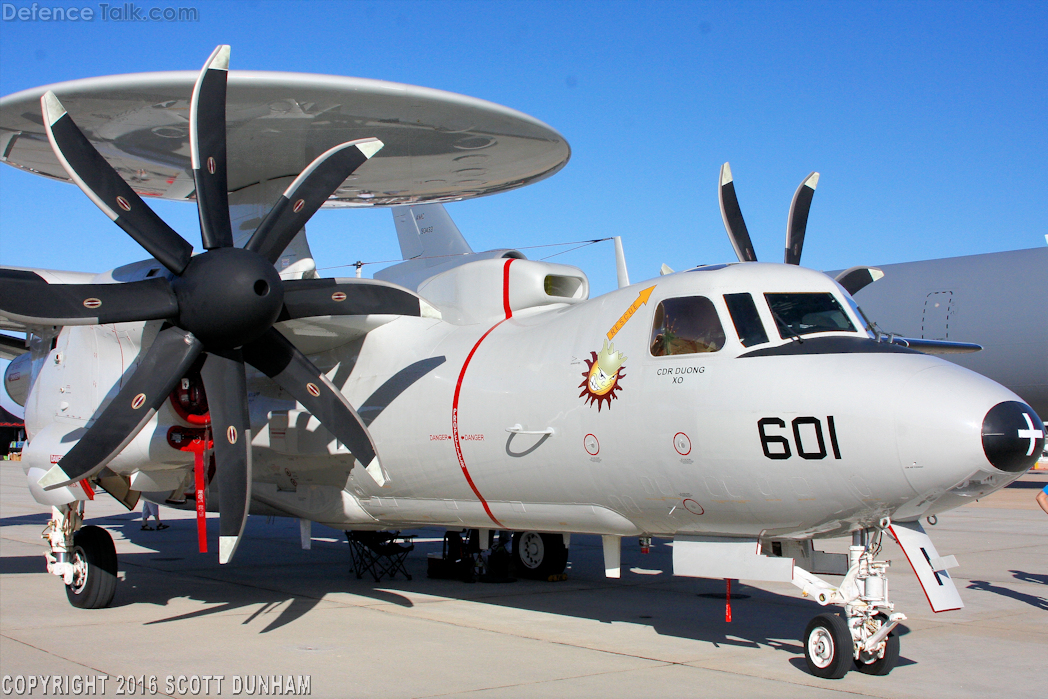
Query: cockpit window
x=747, y=322
x=807, y=314
x=867, y=323
x=686, y=325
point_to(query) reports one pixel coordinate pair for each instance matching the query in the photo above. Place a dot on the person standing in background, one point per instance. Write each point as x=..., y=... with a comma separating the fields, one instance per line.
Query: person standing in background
x=151, y=509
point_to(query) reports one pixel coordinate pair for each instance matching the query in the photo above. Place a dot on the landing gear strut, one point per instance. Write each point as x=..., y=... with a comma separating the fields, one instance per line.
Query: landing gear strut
x=863, y=637
x=84, y=557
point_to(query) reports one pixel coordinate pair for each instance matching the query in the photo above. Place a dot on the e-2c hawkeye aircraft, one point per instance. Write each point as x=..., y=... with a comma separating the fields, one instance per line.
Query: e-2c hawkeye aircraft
x=743, y=410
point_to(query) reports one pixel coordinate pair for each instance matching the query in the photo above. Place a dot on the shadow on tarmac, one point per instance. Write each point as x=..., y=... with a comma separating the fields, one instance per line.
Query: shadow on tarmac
x=271, y=572
x=1032, y=600
x=1038, y=578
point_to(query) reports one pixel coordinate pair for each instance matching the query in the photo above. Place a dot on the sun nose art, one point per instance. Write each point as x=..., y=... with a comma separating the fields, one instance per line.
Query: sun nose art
x=1012, y=436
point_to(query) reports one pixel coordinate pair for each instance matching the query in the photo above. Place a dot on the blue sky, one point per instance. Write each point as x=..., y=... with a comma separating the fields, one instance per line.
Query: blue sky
x=928, y=121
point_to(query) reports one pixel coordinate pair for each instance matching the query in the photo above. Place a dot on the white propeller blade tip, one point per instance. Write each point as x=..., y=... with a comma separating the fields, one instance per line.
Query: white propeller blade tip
x=370, y=147
x=725, y=176
x=374, y=469
x=227, y=546
x=52, y=109
x=219, y=59
x=53, y=478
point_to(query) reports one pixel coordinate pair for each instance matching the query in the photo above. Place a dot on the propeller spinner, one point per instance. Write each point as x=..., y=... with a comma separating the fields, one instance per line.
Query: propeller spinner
x=222, y=303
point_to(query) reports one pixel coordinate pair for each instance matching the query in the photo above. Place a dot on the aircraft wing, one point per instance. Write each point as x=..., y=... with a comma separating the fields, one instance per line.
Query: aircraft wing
x=11, y=347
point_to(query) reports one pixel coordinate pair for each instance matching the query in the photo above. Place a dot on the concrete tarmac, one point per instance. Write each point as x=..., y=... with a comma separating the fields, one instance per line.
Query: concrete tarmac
x=280, y=611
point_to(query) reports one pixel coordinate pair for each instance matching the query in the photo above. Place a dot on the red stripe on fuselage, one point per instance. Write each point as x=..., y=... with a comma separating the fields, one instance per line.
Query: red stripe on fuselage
x=458, y=391
x=505, y=292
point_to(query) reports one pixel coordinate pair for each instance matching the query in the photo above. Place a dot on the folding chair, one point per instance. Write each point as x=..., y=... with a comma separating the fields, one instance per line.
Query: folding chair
x=379, y=553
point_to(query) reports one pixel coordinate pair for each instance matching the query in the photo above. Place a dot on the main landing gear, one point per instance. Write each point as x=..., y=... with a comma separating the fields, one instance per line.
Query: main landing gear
x=864, y=636
x=538, y=556
x=84, y=557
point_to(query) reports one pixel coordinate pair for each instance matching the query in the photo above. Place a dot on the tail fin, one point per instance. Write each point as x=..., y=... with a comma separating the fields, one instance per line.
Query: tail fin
x=431, y=243
x=426, y=230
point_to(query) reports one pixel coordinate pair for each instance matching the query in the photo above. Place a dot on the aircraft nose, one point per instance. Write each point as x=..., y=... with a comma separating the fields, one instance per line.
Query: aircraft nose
x=1012, y=436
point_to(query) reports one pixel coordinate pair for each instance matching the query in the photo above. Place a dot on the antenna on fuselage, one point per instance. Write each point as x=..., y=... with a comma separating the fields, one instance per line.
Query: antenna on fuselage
x=620, y=263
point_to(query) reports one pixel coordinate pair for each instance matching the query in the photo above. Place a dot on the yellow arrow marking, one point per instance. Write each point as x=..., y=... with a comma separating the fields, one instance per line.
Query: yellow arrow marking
x=642, y=300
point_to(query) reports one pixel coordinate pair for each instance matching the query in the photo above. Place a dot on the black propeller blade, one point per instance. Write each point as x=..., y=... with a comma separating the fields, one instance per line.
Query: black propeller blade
x=309, y=298
x=798, y=220
x=207, y=145
x=277, y=358
x=218, y=302
x=226, y=387
x=161, y=366
x=108, y=190
x=26, y=297
x=307, y=194
x=855, y=278
x=732, y=217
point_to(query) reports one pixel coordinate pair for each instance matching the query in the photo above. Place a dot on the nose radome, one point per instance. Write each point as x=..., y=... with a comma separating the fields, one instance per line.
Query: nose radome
x=1012, y=436
x=939, y=414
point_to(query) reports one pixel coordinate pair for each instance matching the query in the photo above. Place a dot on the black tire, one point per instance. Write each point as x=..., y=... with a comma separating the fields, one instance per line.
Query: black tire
x=882, y=666
x=94, y=556
x=828, y=647
x=538, y=556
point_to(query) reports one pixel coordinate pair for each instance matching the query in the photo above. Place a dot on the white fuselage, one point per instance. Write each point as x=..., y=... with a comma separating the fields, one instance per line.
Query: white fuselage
x=682, y=443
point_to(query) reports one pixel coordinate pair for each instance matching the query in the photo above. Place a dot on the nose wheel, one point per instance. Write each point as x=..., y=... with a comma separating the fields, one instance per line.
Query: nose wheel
x=828, y=646
x=871, y=663
x=93, y=560
x=84, y=557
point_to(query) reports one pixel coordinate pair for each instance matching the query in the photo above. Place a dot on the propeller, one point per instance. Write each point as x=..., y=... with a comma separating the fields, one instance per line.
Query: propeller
x=222, y=303
x=852, y=279
x=731, y=214
x=798, y=219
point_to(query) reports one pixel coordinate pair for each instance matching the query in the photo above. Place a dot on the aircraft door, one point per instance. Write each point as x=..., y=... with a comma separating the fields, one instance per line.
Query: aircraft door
x=935, y=321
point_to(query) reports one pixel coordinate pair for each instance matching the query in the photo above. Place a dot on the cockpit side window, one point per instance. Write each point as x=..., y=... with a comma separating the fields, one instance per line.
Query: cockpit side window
x=807, y=313
x=686, y=325
x=867, y=323
x=746, y=319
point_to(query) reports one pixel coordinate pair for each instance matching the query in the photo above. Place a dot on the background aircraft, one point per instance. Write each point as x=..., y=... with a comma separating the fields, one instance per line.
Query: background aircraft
x=991, y=299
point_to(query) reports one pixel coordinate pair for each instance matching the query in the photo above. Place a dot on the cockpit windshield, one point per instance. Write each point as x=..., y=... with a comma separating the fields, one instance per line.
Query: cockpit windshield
x=686, y=325
x=807, y=313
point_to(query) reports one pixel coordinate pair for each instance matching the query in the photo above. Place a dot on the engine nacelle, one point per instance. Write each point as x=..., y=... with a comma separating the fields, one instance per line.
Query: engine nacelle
x=18, y=377
x=486, y=289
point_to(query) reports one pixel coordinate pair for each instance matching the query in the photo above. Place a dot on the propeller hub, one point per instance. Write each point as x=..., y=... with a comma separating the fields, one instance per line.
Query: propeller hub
x=228, y=297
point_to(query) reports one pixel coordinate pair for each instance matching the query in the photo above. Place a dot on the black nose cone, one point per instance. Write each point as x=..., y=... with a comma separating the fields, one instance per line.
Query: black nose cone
x=1012, y=436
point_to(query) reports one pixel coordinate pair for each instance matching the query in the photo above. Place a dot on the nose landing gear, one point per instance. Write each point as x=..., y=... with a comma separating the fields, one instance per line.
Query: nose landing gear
x=863, y=637
x=84, y=557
